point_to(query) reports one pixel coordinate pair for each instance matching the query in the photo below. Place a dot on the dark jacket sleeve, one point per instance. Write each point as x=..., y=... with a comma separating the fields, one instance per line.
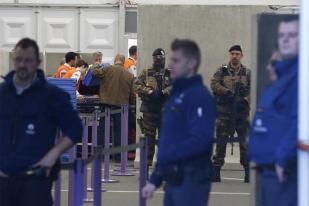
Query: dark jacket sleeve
x=287, y=149
x=155, y=177
x=201, y=115
x=65, y=117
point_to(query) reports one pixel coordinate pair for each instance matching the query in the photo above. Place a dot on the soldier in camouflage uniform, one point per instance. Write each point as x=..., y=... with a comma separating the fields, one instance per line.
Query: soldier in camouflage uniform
x=153, y=87
x=231, y=87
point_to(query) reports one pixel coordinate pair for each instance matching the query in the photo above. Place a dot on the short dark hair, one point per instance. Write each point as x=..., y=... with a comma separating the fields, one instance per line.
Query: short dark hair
x=189, y=48
x=289, y=18
x=70, y=56
x=235, y=48
x=81, y=63
x=26, y=43
x=133, y=50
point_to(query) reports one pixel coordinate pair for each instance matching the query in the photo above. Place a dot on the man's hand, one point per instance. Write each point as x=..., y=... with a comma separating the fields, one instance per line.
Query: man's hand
x=148, y=191
x=3, y=174
x=48, y=161
x=280, y=173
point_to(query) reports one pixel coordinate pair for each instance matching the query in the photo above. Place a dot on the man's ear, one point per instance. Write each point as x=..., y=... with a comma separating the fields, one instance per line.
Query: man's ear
x=39, y=61
x=192, y=63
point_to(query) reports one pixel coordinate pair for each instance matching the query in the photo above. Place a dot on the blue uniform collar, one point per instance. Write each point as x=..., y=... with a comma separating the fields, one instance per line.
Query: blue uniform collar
x=182, y=83
x=40, y=80
x=287, y=72
x=286, y=67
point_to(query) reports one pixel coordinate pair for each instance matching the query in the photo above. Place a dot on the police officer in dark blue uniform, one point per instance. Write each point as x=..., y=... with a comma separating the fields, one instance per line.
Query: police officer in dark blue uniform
x=273, y=138
x=187, y=133
x=31, y=111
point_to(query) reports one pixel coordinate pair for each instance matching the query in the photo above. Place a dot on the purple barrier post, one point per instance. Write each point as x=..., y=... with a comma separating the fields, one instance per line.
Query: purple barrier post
x=143, y=170
x=72, y=157
x=97, y=168
x=124, y=142
x=79, y=170
x=58, y=182
x=107, y=127
x=58, y=190
x=94, y=144
x=84, y=157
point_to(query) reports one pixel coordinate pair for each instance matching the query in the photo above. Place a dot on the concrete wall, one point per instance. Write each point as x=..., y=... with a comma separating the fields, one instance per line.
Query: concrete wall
x=214, y=28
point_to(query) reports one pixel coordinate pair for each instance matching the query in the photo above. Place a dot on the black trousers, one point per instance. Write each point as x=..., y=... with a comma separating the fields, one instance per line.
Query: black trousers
x=25, y=192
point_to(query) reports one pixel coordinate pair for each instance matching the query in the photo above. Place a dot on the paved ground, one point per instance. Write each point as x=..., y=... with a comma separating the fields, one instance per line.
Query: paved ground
x=231, y=191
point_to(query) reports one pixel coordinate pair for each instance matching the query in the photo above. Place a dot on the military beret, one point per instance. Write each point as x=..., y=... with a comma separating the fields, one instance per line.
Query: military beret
x=235, y=48
x=159, y=52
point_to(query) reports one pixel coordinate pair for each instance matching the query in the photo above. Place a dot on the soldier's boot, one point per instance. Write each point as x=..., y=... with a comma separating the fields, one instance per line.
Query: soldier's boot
x=216, y=175
x=247, y=174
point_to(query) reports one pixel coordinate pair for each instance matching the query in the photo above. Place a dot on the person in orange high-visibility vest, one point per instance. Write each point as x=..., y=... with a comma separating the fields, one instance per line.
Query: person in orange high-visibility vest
x=70, y=63
x=130, y=63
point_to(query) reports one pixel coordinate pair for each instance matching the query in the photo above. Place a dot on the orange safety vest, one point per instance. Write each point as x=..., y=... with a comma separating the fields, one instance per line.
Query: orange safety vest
x=62, y=70
x=69, y=73
x=129, y=62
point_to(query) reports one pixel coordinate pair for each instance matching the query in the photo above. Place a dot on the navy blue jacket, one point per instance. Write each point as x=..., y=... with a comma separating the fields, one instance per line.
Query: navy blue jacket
x=28, y=122
x=187, y=127
x=273, y=136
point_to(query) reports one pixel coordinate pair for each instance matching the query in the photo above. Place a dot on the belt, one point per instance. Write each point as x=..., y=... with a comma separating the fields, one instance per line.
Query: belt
x=32, y=172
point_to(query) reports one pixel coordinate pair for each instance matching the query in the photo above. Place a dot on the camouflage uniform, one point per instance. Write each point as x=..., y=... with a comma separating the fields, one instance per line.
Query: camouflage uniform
x=233, y=112
x=155, y=80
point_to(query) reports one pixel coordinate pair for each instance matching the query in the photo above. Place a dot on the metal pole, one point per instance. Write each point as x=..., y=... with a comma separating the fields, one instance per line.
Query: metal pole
x=97, y=193
x=124, y=142
x=303, y=109
x=72, y=157
x=124, y=137
x=107, y=127
x=78, y=191
x=94, y=144
x=58, y=181
x=58, y=190
x=143, y=170
x=84, y=157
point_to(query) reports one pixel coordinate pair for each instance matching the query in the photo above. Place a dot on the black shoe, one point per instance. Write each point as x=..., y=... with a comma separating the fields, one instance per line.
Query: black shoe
x=247, y=175
x=216, y=176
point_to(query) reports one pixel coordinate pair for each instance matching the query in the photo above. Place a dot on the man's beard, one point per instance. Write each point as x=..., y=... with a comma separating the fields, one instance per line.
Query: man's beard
x=23, y=74
x=235, y=62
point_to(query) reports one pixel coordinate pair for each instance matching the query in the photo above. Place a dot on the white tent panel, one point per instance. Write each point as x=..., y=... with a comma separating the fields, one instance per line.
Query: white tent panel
x=175, y=2
x=15, y=24
x=57, y=30
x=99, y=31
x=89, y=2
x=6, y=1
x=219, y=2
